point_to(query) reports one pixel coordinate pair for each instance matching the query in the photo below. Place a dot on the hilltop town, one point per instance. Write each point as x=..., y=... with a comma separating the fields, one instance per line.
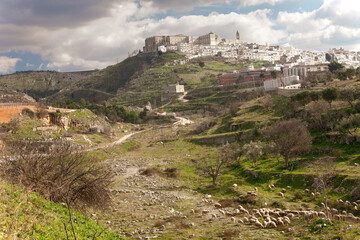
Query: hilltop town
x=213, y=45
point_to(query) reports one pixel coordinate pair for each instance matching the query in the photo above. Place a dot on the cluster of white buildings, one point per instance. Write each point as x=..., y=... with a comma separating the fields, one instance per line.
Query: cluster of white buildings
x=213, y=45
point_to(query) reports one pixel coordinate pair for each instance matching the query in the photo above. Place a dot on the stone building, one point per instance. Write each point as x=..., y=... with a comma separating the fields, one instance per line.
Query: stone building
x=184, y=43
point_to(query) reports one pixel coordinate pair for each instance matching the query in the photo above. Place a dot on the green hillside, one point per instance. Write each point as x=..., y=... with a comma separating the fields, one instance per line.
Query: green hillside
x=26, y=215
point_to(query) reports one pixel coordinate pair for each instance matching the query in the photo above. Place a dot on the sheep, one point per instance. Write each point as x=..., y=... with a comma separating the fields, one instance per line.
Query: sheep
x=272, y=224
x=228, y=213
x=322, y=214
x=317, y=194
x=312, y=195
x=208, y=196
x=233, y=219
x=281, y=194
x=259, y=224
x=255, y=189
x=354, y=203
x=287, y=220
x=234, y=185
x=236, y=211
x=334, y=211
x=193, y=211
x=356, y=164
x=205, y=211
x=217, y=205
x=213, y=216
x=290, y=215
x=307, y=190
x=222, y=212
x=280, y=222
x=240, y=221
x=272, y=185
x=246, y=219
x=288, y=187
x=283, y=190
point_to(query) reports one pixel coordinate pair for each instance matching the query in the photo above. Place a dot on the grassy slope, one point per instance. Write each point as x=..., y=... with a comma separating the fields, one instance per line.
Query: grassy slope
x=25, y=215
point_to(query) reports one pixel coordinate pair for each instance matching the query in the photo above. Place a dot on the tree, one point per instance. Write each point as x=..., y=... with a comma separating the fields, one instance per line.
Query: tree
x=334, y=66
x=349, y=94
x=330, y=95
x=201, y=64
x=262, y=76
x=291, y=138
x=325, y=171
x=213, y=165
x=274, y=74
x=253, y=151
x=349, y=125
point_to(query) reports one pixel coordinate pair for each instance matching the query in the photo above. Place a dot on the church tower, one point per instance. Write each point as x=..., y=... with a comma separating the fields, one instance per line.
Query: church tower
x=238, y=36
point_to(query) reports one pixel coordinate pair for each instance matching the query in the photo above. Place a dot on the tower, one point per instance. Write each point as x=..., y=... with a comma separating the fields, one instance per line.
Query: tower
x=237, y=35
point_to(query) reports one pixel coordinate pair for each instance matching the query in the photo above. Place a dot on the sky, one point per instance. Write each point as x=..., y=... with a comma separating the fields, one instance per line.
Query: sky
x=76, y=35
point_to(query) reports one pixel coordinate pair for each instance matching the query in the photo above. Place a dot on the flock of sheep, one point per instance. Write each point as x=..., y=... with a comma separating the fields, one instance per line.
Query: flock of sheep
x=277, y=218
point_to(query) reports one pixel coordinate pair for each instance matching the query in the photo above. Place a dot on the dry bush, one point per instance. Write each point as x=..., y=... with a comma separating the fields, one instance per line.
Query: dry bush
x=169, y=172
x=42, y=113
x=151, y=172
x=203, y=126
x=230, y=234
x=228, y=203
x=62, y=174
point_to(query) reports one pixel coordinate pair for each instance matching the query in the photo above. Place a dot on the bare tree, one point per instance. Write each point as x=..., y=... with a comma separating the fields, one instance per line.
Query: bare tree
x=60, y=174
x=291, y=138
x=213, y=165
x=325, y=171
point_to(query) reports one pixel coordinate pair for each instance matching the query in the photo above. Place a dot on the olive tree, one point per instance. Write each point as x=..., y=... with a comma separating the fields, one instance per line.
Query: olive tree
x=213, y=164
x=291, y=138
x=253, y=151
x=330, y=95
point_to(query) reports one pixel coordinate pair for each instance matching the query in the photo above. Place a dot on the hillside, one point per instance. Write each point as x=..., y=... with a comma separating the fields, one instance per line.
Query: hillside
x=292, y=156
x=26, y=215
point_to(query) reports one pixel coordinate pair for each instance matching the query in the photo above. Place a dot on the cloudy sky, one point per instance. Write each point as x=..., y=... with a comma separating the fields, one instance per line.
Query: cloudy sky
x=70, y=35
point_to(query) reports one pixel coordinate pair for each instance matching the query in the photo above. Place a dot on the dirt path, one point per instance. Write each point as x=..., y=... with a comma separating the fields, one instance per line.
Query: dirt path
x=181, y=98
x=183, y=121
x=117, y=142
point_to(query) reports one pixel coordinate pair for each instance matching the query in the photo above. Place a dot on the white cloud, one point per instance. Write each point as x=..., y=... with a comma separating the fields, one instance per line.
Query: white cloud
x=258, y=2
x=8, y=64
x=334, y=24
x=341, y=12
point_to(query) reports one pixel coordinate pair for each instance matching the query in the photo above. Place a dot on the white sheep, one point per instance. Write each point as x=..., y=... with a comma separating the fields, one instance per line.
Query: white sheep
x=281, y=194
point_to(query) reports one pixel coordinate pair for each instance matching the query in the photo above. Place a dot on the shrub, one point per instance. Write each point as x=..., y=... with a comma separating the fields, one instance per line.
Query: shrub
x=62, y=174
x=28, y=112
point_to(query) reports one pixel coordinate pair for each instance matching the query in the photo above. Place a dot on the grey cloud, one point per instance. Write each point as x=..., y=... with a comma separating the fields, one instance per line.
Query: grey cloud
x=53, y=13
x=186, y=5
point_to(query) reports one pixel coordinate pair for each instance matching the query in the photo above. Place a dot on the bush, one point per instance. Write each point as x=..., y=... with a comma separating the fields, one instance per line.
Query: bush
x=62, y=174
x=28, y=112
x=205, y=125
